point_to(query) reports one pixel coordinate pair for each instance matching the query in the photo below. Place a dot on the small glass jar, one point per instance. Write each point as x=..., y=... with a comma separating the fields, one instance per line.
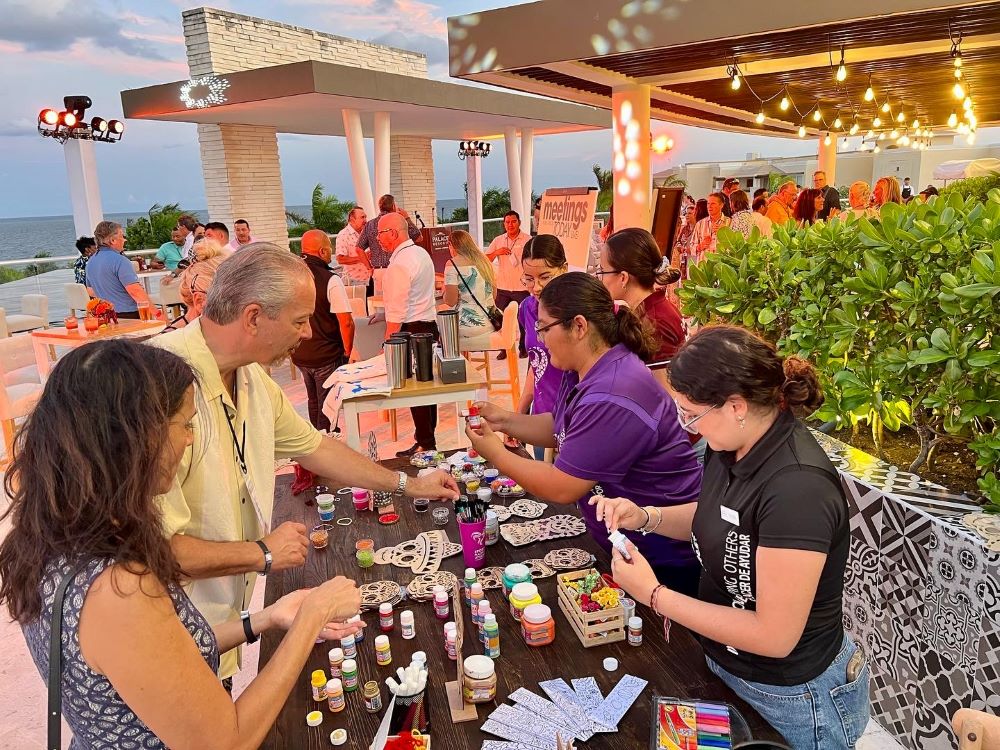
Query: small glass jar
x=365, y=558
x=521, y=596
x=71, y=323
x=320, y=535
x=479, y=684
x=360, y=498
x=421, y=504
x=372, y=697
x=440, y=516
x=537, y=626
x=91, y=324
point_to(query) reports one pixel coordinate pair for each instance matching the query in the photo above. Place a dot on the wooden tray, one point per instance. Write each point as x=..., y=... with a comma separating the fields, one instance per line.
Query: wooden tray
x=592, y=628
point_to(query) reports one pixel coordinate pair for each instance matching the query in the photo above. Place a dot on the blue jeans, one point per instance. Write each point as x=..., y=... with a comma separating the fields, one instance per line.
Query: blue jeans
x=826, y=713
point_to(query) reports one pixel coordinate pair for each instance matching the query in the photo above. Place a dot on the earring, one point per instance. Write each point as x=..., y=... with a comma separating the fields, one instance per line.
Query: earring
x=742, y=421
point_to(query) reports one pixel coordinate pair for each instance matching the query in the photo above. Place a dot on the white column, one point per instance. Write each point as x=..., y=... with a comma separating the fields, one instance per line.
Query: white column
x=84, y=190
x=513, y=167
x=527, y=163
x=827, y=159
x=359, y=161
x=474, y=193
x=630, y=156
x=381, y=154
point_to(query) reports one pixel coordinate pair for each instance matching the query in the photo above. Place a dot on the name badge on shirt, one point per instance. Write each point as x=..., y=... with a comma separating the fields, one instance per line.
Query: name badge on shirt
x=729, y=515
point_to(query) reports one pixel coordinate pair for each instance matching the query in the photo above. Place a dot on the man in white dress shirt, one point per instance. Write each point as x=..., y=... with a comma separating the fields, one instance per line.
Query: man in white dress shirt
x=408, y=296
x=505, y=252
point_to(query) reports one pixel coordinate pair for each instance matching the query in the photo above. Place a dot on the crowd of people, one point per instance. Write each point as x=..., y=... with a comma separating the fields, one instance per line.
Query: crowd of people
x=736, y=519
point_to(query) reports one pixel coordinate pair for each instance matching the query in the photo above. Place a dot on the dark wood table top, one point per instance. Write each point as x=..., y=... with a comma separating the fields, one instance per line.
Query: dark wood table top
x=676, y=668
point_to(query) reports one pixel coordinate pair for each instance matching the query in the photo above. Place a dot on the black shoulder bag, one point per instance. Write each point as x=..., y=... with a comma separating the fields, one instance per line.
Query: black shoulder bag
x=494, y=314
x=55, y=660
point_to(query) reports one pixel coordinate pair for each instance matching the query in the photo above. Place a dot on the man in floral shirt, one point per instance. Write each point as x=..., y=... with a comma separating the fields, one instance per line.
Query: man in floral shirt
x=86, y=246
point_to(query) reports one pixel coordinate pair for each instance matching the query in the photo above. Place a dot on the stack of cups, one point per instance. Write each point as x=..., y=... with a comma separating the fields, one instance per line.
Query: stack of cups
x=324, y=503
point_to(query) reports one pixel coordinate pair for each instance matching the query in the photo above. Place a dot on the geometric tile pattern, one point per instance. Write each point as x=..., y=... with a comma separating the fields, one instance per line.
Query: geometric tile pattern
x=922, y=595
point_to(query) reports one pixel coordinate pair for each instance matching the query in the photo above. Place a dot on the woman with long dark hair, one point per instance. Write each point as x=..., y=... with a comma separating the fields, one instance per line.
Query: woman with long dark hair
x=808, y=206
x=630, y=268
x=772, y=533
x=138, y=660
x=616, y=427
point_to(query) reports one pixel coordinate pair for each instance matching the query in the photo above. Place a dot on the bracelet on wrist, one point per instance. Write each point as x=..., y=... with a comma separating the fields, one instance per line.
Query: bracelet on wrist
x=642, y=528
x=268, y=558
x=654, y=604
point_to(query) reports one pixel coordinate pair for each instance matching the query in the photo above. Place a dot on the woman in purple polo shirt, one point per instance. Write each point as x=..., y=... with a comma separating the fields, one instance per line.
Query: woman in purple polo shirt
x=615, y=427
x=542, y=259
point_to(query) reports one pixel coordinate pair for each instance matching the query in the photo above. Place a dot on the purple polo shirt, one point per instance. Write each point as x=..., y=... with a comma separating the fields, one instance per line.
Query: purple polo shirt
x=547, y=377
x=619, y=427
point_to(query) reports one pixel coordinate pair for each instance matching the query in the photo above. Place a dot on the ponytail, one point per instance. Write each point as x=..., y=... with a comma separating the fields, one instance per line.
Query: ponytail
x=634, y=334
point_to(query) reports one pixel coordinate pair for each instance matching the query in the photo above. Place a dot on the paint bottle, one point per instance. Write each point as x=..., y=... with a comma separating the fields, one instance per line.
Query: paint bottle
x=537, y=626
x=491, y=633
x=335, y=696
x=319, y=686
x=514, y=574
x=349, y=645
x=492, y=530
x=360, y=635
x=475, y=421
x=481, y=614
x=476, y=595
x=441, y=608
x=350, y=675
x=383, y=652
x=385, y=619
x=449, y=627
x=480, y=679
x=406, y=624
x=470, y=579
x=451, y=644
x=336, y=657
x=635, y=631
x=372, y=697
x=521, y=596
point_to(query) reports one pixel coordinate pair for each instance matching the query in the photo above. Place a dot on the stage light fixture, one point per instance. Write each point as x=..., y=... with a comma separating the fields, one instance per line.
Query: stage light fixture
x=466, y=149
x=71, y=123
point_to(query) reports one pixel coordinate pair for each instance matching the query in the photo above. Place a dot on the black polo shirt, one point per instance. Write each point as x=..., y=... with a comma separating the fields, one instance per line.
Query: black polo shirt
x=783, y=493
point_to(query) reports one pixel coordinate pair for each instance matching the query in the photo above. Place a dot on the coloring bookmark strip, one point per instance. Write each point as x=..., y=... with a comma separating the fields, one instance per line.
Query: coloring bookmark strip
x=563, y=696
x=587, y=692
x=517, y=735
x=548, y=710
x=619, y=701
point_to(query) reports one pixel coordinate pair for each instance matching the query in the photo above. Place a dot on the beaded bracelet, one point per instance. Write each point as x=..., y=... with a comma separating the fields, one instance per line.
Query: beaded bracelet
x=652, y=606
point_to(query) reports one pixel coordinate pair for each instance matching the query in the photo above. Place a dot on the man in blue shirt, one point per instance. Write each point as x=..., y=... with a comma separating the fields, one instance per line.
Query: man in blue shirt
x=170, y=253
x=111, y=275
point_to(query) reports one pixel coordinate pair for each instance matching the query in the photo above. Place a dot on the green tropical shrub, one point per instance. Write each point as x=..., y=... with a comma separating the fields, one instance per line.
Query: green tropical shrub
x=900, y=315
x=329, y=213
x=154, y=229
x=974, y=187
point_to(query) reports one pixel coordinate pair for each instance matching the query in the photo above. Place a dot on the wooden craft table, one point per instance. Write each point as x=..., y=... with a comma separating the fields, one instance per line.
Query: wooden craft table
x=676, y=668
x=51, y=337
x=416, y=393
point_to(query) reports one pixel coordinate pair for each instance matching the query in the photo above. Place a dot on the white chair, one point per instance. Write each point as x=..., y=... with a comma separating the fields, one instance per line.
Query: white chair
x=17, y=357
x=135, y=266
x=34, y=314
x=506, y=340
x=170, y=295
x=77, y=298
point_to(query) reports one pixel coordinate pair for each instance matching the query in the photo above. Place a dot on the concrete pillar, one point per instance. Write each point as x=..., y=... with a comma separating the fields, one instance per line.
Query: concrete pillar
x=474, y=193
x=412, y=176
x=527, y=164
x=381, y=154
x=359, y=161
x=84, y=190
x=513, y=167
x=630, y=155
x=242, y=173
x=827, y=161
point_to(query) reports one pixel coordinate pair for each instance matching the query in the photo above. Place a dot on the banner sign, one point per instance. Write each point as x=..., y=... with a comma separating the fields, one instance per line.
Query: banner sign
x=568, y=213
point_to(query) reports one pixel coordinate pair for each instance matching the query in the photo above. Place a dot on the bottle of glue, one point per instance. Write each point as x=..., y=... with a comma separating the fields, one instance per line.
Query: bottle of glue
x=474, y=420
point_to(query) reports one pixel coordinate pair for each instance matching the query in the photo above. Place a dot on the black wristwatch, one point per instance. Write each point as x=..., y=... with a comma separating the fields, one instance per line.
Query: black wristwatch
x=267, y=557
x=247, y=630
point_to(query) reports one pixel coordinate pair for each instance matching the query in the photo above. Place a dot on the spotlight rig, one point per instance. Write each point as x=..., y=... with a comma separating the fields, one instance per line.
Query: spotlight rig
x=71, y=123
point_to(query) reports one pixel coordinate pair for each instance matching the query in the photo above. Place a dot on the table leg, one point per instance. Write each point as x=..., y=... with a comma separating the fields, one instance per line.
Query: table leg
x=352, y=425
x=42, y=359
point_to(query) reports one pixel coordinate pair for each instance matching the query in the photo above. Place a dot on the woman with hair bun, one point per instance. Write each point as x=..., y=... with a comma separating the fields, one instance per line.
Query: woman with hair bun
x=630, y=266
x=771, y=531
x=616, y=428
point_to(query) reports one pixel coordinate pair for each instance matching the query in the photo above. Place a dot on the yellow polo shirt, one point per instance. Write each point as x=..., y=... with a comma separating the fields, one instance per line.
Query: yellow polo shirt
x=211, y=498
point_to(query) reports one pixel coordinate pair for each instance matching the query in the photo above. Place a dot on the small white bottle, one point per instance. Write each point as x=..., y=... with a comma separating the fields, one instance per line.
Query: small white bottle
x=406, y=624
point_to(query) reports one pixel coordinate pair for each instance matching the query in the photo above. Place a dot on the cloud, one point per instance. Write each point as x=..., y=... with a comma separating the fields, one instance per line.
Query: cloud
x=56, y=26
x=436, y=48
x=21, y=126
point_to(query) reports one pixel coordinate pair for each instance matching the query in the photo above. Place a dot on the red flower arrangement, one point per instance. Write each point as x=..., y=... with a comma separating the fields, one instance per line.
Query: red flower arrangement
x=103, y=310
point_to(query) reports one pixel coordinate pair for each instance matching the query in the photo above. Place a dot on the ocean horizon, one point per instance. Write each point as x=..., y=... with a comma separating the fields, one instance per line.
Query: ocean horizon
x=22, y=238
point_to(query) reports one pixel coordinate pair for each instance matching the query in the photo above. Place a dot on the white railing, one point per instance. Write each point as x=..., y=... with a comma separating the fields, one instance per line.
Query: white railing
x=67, y=258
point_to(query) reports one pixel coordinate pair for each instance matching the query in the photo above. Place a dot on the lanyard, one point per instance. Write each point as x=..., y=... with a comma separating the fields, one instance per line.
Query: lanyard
x=245, y=470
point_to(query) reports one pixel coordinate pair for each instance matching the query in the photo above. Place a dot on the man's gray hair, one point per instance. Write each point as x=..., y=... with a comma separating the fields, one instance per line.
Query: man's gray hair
x=260, y=273
x=105, y=231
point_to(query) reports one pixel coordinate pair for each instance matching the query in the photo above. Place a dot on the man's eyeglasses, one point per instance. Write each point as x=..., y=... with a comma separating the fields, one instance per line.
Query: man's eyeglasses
x=688, y=424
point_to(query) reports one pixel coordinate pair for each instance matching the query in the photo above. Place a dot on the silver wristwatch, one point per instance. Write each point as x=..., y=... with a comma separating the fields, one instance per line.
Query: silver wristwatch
x=401, y=485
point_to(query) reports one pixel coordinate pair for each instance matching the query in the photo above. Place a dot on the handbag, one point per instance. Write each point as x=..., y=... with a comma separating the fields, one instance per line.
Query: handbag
x=55, y=660
x=494, y=314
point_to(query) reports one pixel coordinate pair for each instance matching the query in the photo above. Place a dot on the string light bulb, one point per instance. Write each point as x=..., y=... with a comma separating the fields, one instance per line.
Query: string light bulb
x=784, y=103
x=967, y=104
x=901, y=117
x=894, y=134
x=877, y=122
x=972, y=119
x=870, y=134
x=869, y=92
x=958, y=73
x=802, y=131
x=952, y=119
x=958, y=91
x=885, y=107
x=958, y=60
x=826, y=141
x=760, y=117
x=855, y=128
x=842, y=68
x=817, y=115
x=838, y=123
x=916, y=124
x=736, y=83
